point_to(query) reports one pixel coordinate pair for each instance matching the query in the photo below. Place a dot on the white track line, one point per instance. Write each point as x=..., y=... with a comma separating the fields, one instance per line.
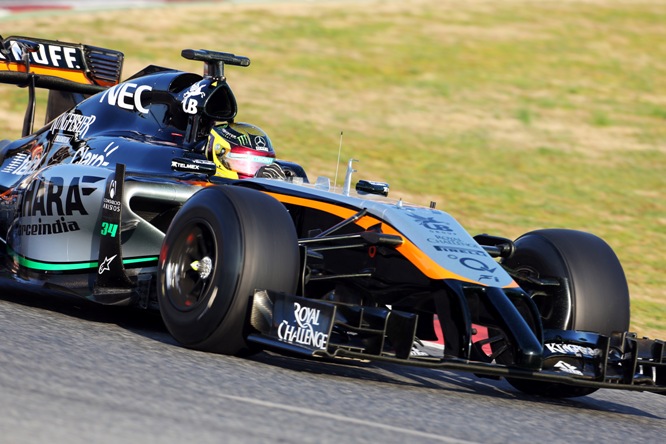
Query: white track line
x=340, y=418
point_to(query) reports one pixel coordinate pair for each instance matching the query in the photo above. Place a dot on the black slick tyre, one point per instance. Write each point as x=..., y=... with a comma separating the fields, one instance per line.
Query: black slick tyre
x=224, y=243
x=596, y=298
x=599, y=295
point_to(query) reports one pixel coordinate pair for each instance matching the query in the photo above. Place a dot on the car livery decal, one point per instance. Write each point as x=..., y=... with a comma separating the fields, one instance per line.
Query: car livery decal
x=443, y=239
x=56, y=210
x=52, y=58
x=127, y=96
x=73, y=266
x=465, y=261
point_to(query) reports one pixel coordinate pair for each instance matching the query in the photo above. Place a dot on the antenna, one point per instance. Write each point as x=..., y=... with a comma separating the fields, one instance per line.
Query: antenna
x=337, y=165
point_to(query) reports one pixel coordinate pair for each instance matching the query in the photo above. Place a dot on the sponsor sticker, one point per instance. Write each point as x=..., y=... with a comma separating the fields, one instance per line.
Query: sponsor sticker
x=260, y=143
x=432, y=224
x=127, y=96
x=72, y=123
x=568, y=368
x=50, y=205
x=26, y=161
x=443, y=239
x=244, y=139
x=106, y=264
x=459, y=250
x=52, y=198
x=85, y=156
x=22, y=164
x=573, y=349
x=57, y=56
x=190, y=101
x=62, y=140
x=302, y=321
x=110, y=203
x=47, y=228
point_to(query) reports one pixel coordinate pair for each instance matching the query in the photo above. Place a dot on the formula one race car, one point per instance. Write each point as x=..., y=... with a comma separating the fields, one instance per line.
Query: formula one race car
x=129, y=196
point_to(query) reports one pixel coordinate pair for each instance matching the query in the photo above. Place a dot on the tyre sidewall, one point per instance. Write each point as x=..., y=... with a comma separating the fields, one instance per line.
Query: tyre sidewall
x=213, y=208
x=270, y=261
x=597, y=284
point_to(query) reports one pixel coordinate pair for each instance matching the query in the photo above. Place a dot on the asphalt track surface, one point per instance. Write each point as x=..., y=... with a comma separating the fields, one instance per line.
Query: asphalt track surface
x=75, y=372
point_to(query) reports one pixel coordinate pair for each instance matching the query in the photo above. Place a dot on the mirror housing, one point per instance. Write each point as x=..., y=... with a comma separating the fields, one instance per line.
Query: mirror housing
x=372, y=187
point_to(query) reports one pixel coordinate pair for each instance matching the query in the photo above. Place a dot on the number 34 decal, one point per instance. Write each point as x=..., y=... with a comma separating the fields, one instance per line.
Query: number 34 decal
x=109, y=229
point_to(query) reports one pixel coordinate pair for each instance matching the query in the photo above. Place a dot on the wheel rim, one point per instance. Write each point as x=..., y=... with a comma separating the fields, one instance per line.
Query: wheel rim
x=190, y=266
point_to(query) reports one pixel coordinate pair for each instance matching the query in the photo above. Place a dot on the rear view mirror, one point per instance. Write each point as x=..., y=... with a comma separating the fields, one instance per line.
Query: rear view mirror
x=371, y=187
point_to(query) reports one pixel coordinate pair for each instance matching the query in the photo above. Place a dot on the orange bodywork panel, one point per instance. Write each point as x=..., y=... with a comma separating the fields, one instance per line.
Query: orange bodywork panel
x=67, y=74
x=411, y=252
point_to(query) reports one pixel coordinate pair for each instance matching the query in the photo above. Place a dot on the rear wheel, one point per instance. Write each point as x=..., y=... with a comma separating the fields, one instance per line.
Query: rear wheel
x=222, y=245
x=596, y=298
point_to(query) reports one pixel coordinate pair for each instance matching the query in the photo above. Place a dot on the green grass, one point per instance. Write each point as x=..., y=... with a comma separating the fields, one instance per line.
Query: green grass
x=512, y=115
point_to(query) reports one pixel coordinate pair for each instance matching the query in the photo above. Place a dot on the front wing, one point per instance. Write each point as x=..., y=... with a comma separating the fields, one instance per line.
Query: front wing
x=306, y=327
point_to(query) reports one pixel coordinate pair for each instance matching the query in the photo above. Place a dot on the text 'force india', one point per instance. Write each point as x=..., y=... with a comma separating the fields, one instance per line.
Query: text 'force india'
x=117, y=200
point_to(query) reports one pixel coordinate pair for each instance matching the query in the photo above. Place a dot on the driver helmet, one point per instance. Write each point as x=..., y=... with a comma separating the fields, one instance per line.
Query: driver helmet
x=239, y=149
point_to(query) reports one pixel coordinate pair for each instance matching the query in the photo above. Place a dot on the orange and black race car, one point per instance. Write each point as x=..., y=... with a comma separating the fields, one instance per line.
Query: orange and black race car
x=146, y=192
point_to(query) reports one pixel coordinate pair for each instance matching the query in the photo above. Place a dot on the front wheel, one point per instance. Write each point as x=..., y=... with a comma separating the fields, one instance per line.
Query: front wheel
x=224, y=243
x=596, y=296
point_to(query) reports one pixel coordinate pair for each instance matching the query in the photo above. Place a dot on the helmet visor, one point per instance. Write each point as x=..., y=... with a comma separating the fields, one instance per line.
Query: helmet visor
x=246, y=162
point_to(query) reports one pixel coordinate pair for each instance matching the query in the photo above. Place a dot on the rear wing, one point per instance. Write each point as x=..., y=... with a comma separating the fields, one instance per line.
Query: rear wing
x=51, y=60
x=71, y=69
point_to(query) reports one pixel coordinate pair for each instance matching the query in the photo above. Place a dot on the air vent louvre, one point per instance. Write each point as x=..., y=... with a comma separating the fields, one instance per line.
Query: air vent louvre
x=105, y=65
